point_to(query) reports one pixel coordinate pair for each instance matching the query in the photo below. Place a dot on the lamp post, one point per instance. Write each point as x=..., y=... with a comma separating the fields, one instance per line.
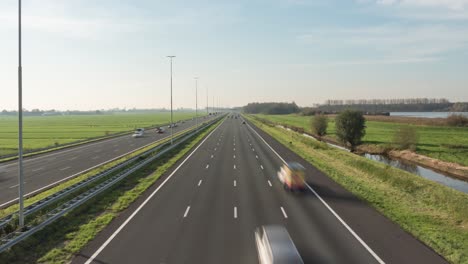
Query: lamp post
x=172, y=123
x=20, y=124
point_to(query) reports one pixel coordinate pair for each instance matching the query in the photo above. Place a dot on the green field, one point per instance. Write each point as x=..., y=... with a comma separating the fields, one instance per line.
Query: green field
x=440, y=142
x=435, y=214
x=48, y=131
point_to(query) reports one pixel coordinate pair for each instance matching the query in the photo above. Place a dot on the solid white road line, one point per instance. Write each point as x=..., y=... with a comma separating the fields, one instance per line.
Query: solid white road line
x=38, y=169
x=235, y=212
x=199, y=183
x=66, y=168
x=235, y=183
x=284, y=212
x=207, y=166
x=327, y=206
x=103, y=246
x=186, y=211
x=269, y=182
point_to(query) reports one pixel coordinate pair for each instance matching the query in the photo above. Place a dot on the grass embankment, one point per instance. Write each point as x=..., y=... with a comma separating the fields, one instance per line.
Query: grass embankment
x=439, y=142
x=435, y=214
x=51, y=131
x=58, y=242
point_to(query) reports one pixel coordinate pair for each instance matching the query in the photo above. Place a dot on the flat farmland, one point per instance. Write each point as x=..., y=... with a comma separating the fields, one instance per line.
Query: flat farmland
x=50, y=131
x=436, y=141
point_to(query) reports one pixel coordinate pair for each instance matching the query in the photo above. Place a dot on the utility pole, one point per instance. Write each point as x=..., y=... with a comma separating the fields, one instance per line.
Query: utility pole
x=20, y=124
x=172, y=123
x=196, y=101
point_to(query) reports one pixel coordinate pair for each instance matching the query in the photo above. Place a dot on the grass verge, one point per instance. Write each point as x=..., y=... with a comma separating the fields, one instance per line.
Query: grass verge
x=58, y=242
x=439, y=142
x=435, y=214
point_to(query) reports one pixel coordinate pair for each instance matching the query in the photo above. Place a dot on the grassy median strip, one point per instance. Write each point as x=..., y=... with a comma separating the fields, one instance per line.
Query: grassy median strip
x=58, y=242
x=66, y=184
x=435, y=214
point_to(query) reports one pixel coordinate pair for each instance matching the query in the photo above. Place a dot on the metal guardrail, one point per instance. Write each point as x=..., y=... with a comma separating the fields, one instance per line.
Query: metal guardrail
x=15, y=237
x=77, y=186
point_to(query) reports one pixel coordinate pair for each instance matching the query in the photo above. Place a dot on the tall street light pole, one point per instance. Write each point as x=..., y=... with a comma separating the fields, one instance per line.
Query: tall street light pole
x=20, y=124
x=172, y=123
x=207, y=109
x=196, y=101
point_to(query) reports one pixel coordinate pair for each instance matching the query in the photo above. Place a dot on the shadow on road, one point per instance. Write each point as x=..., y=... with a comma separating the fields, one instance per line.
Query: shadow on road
x=327, y=193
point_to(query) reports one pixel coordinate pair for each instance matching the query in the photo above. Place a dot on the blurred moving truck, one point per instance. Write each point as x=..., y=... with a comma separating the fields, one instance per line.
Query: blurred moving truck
x=291, y=175
x=275, y=246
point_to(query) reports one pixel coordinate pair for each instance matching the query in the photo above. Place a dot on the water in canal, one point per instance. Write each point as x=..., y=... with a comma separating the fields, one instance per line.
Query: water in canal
x=423, y=172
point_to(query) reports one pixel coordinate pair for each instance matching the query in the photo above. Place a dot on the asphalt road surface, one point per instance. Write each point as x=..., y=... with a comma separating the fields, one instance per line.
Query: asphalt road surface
x=205, y=210
x=46, y=169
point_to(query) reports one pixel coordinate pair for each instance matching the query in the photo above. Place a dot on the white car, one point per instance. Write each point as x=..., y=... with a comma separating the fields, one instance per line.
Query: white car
x=139, y=132
x=274, y=245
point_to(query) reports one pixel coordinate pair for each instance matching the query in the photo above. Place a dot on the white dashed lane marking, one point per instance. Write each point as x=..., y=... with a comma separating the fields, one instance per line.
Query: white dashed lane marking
x=284, y=212
x=269, y=183
x=186, y=211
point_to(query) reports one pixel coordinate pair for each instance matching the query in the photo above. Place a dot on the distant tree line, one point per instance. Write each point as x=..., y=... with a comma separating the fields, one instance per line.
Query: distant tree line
x=389, y=105
x=401, y=101
x=271, y=108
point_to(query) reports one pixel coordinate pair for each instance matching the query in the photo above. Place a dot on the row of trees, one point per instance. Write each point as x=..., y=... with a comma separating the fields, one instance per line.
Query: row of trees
x=271, y=108
x=388, y=101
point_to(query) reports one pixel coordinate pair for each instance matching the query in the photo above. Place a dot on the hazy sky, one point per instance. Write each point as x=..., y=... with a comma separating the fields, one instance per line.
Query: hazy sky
x=88, y=54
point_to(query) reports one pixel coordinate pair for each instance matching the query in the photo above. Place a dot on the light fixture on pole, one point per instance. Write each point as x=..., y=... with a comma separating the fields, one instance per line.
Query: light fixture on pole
x=172, y=123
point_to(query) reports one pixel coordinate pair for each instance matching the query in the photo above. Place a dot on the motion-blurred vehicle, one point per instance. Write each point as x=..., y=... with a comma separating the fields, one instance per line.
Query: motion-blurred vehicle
x=243, y=122
x=274, y=245
x=291, y=175
x=139, y=132
x=159, y=130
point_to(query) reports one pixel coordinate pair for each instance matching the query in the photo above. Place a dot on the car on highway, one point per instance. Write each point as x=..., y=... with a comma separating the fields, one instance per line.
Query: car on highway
x=291, y=175
x=159, y=130
x=139, y=132
x=274, y=245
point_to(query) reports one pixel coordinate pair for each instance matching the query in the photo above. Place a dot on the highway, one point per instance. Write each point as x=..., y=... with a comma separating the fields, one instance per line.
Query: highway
x=47, y=169
x=205, y=210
